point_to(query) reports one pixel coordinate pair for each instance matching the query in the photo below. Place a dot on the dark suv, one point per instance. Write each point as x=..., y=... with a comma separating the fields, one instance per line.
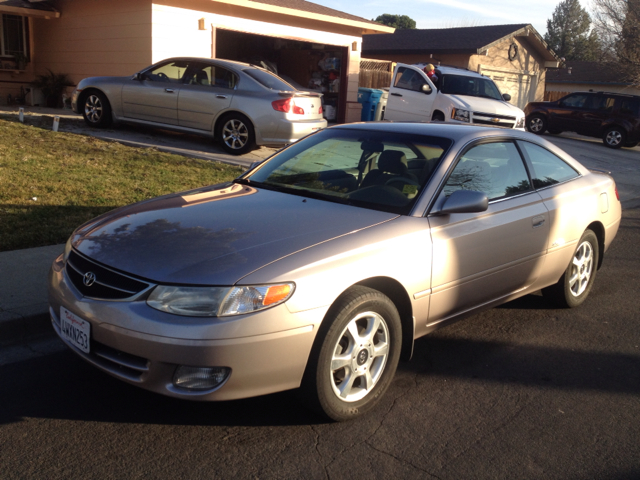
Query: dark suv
x=614, y=117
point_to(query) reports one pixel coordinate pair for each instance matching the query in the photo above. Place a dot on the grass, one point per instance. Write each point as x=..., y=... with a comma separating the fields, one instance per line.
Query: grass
x=50, y=183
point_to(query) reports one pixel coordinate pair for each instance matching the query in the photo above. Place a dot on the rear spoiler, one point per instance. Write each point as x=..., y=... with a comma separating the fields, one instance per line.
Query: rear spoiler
x=298, y=93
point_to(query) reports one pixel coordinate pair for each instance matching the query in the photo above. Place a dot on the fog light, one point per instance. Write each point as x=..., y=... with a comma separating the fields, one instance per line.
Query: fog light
x=200, y=378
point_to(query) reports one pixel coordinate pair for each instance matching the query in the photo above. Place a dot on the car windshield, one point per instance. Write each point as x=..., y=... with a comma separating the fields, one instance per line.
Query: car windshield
x=472, y=86
x=371, y=169
x=268, y=79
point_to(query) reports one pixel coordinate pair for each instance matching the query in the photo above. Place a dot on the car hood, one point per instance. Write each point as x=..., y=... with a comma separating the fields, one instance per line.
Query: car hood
x=215, y=236
x=485, y=105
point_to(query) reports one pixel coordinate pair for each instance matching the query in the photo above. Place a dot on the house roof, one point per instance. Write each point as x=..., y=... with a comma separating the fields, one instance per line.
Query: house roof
x=28, y=8
x=309, y=10
x=462, y=40
x=587, y=73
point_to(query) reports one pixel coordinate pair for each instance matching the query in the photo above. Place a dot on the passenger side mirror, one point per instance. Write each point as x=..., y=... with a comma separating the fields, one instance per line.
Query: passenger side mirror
x=426, y=89
x=138, y=76
x=506, y=97
x=463, y=201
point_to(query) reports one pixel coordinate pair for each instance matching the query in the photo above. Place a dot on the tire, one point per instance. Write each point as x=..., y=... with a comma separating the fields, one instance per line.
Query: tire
x=537, y=124
x=614, y=137
x=236, y=134
x=96, y=110
x=355, y=355
x=575, y=284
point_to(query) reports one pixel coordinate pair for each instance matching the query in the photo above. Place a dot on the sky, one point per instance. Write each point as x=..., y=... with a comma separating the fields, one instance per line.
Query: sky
x=454, y=13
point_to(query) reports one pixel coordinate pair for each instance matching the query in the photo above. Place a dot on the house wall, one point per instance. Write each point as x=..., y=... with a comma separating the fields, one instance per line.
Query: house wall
x=175, y=33
x=94, y=38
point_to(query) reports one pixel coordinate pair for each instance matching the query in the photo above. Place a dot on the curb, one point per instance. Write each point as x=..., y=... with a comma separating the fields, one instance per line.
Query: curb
x=18, y=328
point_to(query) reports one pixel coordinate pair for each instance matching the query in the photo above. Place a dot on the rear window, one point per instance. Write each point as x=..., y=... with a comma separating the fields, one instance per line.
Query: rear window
x=268, y=80
x=546, y=168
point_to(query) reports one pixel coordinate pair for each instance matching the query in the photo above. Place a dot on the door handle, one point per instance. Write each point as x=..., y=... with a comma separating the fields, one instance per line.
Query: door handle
x=169, y=90
x=537, y=221
x=396, y=94
x=221, y=96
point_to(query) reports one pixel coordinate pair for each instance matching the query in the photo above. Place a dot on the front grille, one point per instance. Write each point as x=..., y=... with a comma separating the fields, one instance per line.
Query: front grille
x=108, y=284
x=490, y=119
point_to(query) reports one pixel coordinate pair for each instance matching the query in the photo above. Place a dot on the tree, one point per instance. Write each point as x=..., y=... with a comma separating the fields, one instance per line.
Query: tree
x=618, y=24
x=399, y=22
x=569, y=33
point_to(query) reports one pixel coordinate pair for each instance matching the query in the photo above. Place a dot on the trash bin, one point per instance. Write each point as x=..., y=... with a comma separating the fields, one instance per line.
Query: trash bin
x=369, y=98
x=382, y=105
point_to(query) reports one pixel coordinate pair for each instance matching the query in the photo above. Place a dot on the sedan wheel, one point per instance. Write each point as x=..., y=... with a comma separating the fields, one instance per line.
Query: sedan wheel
x=614, y=137
x=575, y=284
x=97, y=110
x=236, y=134
x=354, y=362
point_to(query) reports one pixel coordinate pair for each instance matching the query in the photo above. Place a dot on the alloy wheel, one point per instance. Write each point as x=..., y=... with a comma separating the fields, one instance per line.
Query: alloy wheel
x=235, y=134
x=613, y=138
x=93, y=109
x=581, y=269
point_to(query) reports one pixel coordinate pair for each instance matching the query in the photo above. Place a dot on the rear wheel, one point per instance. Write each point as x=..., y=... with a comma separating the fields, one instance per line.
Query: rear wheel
x=575, y=284
x=354, y=361
x=537, y=124
x=236, y=134
x=96, y=110
x=614, y=137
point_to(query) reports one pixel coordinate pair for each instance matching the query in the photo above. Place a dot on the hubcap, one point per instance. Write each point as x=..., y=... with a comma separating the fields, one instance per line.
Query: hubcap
x=614, y=137
x=535, y=125
x=93, y=109
x=359, y=357
x=581, y=269
x=235, y=134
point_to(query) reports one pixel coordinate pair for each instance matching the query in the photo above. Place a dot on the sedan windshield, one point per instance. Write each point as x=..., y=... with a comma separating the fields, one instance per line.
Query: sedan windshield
x=373, y=169
x=472, y=86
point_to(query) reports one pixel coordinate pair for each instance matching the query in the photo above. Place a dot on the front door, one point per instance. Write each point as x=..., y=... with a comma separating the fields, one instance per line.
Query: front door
x=481, y=257
x=407, y=101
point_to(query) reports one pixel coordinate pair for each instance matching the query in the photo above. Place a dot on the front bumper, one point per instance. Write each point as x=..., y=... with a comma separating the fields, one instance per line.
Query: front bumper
x=142, y=346
x=74, y=101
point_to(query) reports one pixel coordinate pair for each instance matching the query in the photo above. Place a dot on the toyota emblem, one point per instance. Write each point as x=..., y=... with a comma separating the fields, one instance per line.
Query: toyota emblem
x=89, y=279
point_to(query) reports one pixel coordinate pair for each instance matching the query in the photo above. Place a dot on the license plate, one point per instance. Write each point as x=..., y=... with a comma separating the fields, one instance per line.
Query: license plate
x=75, y=330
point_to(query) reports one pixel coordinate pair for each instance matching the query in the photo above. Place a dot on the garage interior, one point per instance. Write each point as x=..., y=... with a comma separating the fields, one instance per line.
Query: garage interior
x=307, y=66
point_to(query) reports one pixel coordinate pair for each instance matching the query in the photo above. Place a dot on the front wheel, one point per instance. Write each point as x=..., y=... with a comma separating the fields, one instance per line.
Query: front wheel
x=614, y=137
x=236, y=134
x=575, y=284
x=96, y=110
x=537, y=124
x=354, y=364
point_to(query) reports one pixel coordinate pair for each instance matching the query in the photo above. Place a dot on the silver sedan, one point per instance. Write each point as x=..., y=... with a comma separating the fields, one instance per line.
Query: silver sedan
x=239, y=104
x=320, y=267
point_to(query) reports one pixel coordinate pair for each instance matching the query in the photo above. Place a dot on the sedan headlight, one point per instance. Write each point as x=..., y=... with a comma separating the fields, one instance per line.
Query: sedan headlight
x=218, y=301
x=461, y=115
x=520, y=123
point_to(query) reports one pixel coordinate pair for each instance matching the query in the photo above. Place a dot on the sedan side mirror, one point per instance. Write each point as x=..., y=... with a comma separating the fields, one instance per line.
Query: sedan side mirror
x=506, y=97
x=138, y=76
x=463, y=201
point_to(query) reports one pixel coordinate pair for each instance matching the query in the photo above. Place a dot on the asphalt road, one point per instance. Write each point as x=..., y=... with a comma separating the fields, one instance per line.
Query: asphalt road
x=520, y=391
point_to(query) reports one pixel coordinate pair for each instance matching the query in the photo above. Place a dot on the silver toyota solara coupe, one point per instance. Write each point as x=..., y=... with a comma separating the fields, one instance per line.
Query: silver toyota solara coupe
x=319, y=267
x=241, y=105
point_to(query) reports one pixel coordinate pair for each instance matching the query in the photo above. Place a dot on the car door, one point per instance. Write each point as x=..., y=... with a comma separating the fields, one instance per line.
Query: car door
x=481, y=257
x=407, y=101
x=153, y=94
x=207, y=89
x=598, y=110
x=567, y=114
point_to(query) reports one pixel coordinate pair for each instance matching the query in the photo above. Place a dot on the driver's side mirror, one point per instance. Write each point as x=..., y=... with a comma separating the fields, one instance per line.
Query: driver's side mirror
x=426, y=89
x=138, y=76
x=506, y=97
x=462, y=201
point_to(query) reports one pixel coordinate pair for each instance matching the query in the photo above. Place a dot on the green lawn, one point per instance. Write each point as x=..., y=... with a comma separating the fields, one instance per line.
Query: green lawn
x=51, y=182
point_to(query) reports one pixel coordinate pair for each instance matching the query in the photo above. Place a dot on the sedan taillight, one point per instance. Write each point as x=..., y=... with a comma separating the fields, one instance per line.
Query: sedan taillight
x=287, y=105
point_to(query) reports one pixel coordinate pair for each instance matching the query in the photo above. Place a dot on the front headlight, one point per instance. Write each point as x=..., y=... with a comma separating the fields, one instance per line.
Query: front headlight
x=218, y=301
x=461, y=115
x=520, y=123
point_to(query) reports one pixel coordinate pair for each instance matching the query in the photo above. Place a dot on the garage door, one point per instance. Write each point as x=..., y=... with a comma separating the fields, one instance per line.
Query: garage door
x=516, y=84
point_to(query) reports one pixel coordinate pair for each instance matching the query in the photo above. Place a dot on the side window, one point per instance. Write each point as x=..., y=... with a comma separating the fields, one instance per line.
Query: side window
x=546, y=168
x=210, y=75
x=629, y=106
x=601, y=103
x=409, y=79
x=171, y=72
x=493, y=168
x=575, y=101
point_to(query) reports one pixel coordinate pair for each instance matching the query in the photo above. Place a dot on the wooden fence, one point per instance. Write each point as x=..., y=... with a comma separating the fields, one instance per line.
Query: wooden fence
x=553, y=96
x=375, y=73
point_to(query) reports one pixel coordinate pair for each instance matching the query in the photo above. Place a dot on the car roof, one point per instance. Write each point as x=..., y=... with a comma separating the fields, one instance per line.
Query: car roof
x=218, y=61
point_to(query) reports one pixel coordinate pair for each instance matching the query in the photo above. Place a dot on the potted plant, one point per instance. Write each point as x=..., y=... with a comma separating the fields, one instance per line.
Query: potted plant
x=52, y=85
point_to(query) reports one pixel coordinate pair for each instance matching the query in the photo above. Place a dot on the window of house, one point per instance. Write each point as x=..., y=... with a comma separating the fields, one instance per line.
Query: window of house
x=13, y=40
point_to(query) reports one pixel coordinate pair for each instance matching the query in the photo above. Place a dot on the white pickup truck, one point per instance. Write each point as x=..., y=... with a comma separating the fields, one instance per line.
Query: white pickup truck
x=458, y=96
